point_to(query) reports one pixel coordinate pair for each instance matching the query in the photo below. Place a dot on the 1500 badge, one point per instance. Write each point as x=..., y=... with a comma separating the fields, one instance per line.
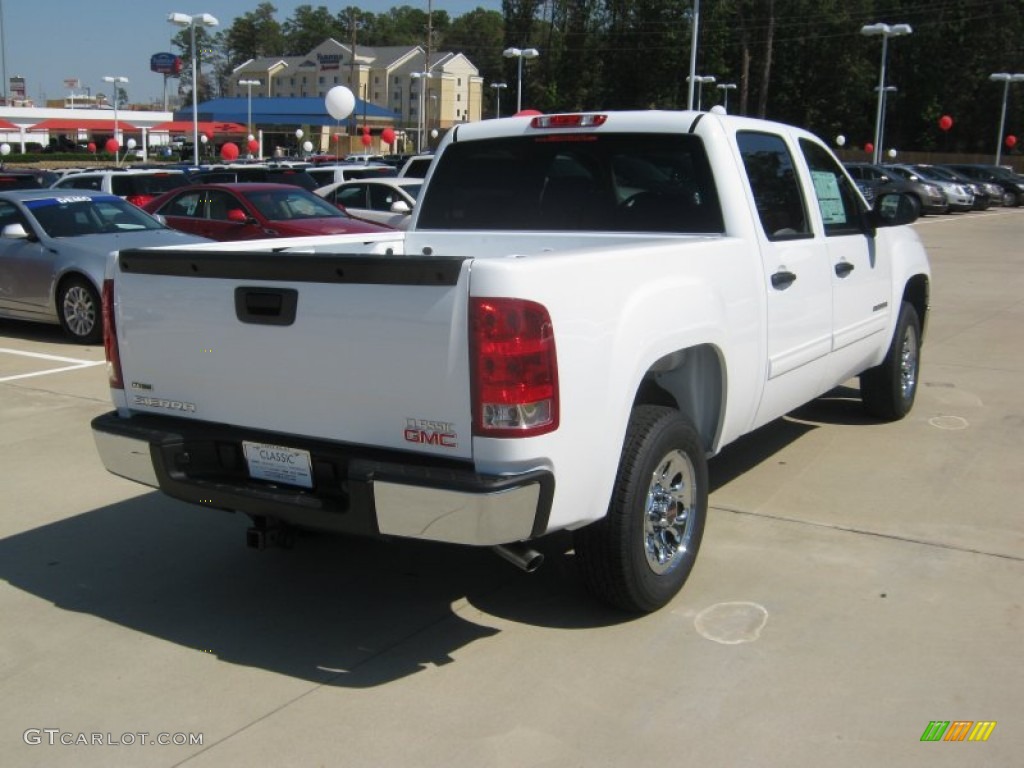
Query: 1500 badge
x=426, y=432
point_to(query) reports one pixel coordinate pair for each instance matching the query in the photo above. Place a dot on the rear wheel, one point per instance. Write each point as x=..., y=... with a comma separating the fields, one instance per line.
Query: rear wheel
x=640, y=554
x=888, y=390
x=78, y=306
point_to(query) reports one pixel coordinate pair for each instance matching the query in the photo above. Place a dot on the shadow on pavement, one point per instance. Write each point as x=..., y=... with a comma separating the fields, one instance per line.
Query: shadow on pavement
x=334, y=610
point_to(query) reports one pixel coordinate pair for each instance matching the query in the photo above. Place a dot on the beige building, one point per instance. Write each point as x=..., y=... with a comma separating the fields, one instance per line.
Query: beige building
x=424, y=97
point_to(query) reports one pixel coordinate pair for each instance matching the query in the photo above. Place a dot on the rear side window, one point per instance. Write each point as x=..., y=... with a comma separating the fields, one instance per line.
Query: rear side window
x=575, y=182
x=775, y=185
x=81, y=181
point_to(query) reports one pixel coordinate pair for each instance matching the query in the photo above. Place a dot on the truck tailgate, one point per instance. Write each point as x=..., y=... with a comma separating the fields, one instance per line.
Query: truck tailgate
x=353, y=348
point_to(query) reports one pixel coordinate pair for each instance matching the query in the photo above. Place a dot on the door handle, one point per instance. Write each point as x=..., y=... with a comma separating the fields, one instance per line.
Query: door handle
x=266, y=306
x=843, y=268
x=783, y=279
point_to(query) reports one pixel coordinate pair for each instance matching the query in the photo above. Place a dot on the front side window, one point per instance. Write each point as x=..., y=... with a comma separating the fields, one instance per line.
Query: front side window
x=775, y=185
x=837, y=201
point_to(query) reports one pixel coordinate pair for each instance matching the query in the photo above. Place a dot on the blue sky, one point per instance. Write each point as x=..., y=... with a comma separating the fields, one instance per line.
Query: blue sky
x=48, y=41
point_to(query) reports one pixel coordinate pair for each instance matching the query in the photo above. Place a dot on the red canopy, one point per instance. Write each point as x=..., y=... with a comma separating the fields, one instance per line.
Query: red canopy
x=81, y=123
x=7, y=125
x=211, y=128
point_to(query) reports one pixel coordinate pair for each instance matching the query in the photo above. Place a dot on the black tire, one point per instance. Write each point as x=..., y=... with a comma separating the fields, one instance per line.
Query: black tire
x=629, y=559
x=79, y=310
x=889, y=389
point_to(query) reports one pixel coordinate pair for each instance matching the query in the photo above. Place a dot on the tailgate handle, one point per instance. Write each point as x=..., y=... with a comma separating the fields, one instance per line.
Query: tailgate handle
x=266, y=306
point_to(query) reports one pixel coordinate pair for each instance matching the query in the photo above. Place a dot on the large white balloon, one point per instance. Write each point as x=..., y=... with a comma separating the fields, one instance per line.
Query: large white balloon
x=840, y=140
x=5, y=149
x=131, y=144
x=307, y=146
x=340, y=102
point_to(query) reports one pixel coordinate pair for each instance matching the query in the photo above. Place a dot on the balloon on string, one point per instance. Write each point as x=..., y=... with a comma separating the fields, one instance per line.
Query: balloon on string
x=131, y=144
x=229, y=151
x=869, y=147
x=891, y=153
x=307, y=146
x=366, y=139
x=1011, y=141
x=253, y=145
x=91, y=146
x=5, y=149
x=112, y=146
x=840, y=140
x=945, y=122
x=388, y=136
x=339, y=102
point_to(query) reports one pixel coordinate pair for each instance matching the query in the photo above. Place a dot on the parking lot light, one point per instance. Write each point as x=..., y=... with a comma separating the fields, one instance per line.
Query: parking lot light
x=249, y=84
x=498, y=87
x=190, y=21
x=117, y=80
x=886, y=31
x=725, y=88
x=700, y=80
x=1004, y=78
x=520, y=54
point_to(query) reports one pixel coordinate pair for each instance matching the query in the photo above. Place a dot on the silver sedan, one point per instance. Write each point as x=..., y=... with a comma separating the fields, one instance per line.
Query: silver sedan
x=54, y=246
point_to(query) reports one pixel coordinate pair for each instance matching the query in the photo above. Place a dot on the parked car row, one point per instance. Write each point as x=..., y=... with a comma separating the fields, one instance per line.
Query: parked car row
x=942, y=188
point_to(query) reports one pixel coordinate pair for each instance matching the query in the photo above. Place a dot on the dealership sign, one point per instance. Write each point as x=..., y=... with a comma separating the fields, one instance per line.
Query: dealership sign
x=165, y=63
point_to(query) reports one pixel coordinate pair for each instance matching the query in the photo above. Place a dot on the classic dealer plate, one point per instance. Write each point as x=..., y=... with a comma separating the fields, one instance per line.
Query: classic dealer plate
x=278, y=464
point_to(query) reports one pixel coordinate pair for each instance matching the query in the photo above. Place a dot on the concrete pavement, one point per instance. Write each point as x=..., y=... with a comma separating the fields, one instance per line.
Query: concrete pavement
x=856, y=582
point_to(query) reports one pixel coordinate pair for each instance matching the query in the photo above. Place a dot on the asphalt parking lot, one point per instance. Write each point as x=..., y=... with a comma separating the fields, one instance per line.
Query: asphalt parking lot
x=857, y=581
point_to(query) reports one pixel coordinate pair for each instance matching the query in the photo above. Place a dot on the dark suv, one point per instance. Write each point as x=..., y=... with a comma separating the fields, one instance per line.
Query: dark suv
x=930, y=197
x=1012, y=183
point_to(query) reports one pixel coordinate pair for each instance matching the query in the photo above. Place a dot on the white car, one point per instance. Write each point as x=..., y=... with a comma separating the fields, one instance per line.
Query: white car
x=383, y=201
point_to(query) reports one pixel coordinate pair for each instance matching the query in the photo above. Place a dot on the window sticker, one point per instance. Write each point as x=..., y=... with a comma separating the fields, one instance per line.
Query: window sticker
x=830, y=201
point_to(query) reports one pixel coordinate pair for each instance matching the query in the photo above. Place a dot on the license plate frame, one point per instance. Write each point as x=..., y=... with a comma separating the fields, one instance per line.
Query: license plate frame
x=278, y=463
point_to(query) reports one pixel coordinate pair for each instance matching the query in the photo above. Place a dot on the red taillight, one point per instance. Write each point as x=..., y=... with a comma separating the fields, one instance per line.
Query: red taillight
x=514, y=371
x=139, y=200
x=110, y=337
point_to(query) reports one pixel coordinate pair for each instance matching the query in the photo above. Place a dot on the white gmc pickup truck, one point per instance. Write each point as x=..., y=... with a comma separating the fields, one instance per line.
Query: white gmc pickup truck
x=585, y=308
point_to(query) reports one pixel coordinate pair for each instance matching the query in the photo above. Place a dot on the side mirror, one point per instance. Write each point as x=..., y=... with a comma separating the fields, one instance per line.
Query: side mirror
x=237, y=215
x=15, y=231
x=894, y=209
x=400, y=206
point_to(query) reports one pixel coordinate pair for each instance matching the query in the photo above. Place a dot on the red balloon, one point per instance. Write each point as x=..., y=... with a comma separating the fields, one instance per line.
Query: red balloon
x=1011, y=141
x=254, y=146
x=229, y=151
x=111, y=146
x=336, y=137
x=869, y=147
x=367, y=140
x=387, y=135
x=945, y=122
x=366, y=130
x=92, y=147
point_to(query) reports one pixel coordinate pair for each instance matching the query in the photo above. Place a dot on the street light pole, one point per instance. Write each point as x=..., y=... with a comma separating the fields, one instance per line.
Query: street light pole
x=886, y=31
x=190, y=21
x=520, y=53
x=249, y=84
x=497, y=95
x=880, y=141
x=695, y=24
x=420, y=121
x=117, y=136
x=725, y=88
x=1004, y=78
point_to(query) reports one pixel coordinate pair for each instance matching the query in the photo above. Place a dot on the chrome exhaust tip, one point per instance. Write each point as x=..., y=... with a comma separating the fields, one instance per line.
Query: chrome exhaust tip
x=523, y=557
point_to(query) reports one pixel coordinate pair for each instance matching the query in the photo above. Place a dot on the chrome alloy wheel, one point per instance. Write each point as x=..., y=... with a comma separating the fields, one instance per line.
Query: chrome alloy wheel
x=908, y=363
x=668, y=521
x=79, y=310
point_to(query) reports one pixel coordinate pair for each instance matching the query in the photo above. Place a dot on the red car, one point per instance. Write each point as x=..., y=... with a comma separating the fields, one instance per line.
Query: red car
x=253, y=211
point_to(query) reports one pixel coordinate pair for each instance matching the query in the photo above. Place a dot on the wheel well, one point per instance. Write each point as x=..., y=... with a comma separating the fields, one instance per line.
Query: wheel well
x=916, y=294
x=691, y=381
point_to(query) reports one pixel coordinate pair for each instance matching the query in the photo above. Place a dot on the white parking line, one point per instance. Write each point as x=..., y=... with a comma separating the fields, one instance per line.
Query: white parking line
x=76, y=364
